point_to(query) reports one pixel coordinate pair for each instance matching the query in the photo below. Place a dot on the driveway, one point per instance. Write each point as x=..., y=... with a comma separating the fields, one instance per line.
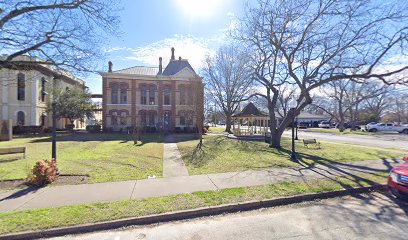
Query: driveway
x=374, y=216
x=396, y=141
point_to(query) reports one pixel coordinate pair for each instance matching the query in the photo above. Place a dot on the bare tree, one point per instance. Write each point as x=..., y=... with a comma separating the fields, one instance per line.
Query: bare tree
x=345, y=98
x=228, y=79
x=312, y=43
x=63, y=33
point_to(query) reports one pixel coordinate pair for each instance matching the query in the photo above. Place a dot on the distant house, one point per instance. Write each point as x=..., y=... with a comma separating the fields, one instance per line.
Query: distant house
x=150, y=97
x=23, y=92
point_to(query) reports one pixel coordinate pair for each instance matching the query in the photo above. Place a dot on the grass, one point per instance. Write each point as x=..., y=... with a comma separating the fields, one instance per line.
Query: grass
x=40, y=219
x=220, y=129
x=104, y=157
x=221, y=154
x=346, y=131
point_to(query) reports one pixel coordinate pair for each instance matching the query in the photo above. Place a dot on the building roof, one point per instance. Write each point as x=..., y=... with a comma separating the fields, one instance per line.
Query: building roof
x=139, y=70
x=250, y=111
x=176, y=66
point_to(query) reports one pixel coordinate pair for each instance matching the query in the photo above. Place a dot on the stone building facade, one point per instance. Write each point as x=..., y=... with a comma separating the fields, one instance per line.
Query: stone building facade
x=23, y=92
x=152, y=98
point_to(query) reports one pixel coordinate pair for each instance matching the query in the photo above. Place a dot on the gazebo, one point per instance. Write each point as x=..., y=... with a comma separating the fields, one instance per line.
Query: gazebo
x=250, y=122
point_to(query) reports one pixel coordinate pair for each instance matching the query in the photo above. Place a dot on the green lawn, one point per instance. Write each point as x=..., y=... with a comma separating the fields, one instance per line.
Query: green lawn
x=336, y=131
x=221, y=154
x=104, y=157
x=220, y=129
x=40, y=219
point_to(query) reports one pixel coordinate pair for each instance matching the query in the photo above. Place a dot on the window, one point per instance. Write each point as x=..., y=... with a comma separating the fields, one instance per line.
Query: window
x=114, y=119
x=123, y=94
x=43, y=92
x=151, y=118
x=143, y=118
x=182, y=95
x=143, y=94
x=167, y=93
x=21, y=87
x=20, y=118
x=182, y=118
x=152, y=94
x=123, y=118
x=114, y=93
x=189, y=118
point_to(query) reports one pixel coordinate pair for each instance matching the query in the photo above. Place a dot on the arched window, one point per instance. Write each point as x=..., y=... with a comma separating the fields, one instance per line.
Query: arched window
x=20, y=118
x=143, y=94
x=123, y=118
x=152, y=94
x=143, y=120
x=114, y=93
x=20, y=86
x=182, y=118
x=182, y=95
x=43, y=90
x=151, y=118
x=114, y=119
x=123, y=94
x=167, y=95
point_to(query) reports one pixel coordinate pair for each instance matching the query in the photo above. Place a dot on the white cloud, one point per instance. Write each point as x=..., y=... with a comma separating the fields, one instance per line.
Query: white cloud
x=188, y=47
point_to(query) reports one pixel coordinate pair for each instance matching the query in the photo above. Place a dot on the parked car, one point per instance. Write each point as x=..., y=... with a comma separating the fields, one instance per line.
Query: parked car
x=348, y=125
x=324, y=124
x=388, y=127
x=398, y=180
x=303, y=125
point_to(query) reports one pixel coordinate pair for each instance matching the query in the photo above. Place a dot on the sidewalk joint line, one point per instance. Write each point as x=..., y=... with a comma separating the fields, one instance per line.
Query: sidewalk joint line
x=133, y=190
x=213, y=182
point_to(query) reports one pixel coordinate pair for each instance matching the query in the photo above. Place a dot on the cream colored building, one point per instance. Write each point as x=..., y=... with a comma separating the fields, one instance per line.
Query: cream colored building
x=156, y=98
x=23, y=92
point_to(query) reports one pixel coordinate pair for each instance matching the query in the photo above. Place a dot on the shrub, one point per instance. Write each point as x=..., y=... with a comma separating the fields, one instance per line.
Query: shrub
x=93, y=128
x=44, y=172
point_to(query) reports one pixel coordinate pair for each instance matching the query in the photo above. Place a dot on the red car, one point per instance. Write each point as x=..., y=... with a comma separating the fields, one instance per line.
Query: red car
x=398, y=180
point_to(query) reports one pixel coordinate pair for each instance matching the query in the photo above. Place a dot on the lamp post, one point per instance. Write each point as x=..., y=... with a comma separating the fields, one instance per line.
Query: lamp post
x=293, y=153
x=297, y=124
x=54, y=130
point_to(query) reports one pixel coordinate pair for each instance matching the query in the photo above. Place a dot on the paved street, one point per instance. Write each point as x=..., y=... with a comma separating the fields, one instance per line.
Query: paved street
x=389, y=140
x=374, y=216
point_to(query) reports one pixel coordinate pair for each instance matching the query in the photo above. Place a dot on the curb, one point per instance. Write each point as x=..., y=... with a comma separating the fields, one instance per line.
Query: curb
x=188, y=214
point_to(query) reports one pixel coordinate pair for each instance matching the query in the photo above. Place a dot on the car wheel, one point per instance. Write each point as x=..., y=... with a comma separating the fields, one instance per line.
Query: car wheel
x=405, y=131
x=373, y=130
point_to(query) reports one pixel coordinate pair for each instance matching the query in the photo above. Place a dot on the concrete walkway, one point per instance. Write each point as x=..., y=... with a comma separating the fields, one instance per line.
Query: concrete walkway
x=115, y=191
x=173, y=164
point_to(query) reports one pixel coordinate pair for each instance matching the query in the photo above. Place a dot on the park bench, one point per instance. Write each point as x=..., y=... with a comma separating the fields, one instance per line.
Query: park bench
x=306, y=142
x=13, y=150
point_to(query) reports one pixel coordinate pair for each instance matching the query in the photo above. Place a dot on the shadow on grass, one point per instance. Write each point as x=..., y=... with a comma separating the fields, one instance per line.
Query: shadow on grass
x=101, y=137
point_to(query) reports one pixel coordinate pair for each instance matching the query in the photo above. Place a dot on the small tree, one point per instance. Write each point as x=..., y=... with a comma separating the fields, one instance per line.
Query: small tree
x=73, y=104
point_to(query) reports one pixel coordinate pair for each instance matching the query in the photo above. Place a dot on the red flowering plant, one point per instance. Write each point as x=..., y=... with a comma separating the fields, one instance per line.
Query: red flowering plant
x=44, y=172
x=405, y=158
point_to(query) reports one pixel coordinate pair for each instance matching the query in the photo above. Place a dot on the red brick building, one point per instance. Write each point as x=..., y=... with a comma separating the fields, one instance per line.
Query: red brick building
x=151, y=97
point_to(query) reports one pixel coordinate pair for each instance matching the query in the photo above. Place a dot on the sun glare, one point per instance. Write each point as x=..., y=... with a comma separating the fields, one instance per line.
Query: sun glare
x=199, y=8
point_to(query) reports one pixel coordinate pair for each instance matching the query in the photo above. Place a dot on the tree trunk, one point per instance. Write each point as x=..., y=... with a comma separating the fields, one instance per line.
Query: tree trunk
x=228, y=123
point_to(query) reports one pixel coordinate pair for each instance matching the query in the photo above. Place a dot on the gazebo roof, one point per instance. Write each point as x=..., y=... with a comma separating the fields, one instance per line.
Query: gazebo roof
x=250, y=111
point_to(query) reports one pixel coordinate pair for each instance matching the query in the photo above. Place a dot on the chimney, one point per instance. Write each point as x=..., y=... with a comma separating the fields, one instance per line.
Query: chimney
x=180, y=58
x=172, y=54
x=110, y=66
x=160, y=65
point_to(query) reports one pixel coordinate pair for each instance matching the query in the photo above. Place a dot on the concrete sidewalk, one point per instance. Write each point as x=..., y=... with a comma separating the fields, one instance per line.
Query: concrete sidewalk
x=115, y=191
x=173, y=164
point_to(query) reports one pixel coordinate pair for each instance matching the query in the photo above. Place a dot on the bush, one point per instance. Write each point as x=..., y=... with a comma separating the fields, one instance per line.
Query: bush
x=44, y=172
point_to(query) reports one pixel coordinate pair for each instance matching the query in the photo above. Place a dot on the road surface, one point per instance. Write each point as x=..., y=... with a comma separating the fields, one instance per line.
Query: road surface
x=373, y=216
x=389, y=140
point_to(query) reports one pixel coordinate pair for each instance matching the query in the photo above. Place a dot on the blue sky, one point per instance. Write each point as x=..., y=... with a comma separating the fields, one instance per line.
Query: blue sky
x=150, y=28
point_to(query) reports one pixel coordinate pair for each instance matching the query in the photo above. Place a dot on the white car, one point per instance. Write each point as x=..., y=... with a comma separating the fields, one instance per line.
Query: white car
x=324, y=124
x=387, y=127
